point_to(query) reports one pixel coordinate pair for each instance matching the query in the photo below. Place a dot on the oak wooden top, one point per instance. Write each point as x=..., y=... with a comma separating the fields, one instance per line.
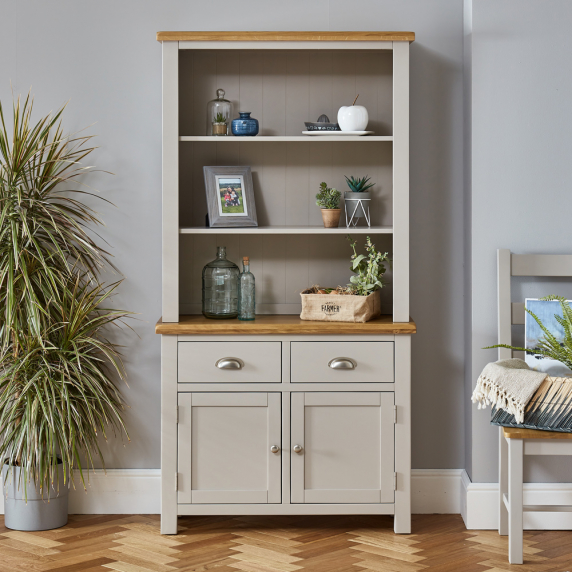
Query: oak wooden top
x=285, y=36
x=280, y=324
x=517, y=433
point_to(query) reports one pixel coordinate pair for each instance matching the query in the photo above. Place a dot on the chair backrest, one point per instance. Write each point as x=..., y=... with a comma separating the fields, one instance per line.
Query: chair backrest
x=509, y=265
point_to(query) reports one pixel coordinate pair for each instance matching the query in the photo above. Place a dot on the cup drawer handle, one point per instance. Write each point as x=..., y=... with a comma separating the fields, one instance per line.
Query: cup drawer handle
x=343, y=363
x=229, y=363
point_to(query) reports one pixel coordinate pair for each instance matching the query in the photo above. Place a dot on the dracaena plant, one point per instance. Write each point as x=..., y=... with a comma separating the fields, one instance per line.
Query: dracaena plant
x=549, y=345
x=57, y=365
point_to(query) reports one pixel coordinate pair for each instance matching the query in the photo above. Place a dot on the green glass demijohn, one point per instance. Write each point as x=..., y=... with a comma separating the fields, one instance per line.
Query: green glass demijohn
x=220, y=287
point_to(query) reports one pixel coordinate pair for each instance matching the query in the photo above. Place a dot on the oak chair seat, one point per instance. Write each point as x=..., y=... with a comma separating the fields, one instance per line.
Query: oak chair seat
x=518, y=433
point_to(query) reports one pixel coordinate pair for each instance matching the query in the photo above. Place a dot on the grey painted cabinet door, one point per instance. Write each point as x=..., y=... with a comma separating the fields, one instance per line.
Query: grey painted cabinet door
x=342, y=447
x=227, y=448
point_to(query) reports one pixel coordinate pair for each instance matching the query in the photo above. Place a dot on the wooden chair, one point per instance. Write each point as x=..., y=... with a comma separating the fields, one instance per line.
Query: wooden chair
x=515, y=443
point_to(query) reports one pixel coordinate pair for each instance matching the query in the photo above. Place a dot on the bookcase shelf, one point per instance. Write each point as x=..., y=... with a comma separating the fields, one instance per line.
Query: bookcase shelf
x=287, y=230
x=288, y=138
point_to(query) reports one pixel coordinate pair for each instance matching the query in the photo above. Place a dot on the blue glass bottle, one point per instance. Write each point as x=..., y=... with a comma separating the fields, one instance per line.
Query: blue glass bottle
x=220, y=287
x=246, y=294
x=244, y=125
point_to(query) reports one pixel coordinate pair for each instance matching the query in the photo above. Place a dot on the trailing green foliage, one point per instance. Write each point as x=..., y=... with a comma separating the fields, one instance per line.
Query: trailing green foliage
x=359, y=185
x=369, y=269
x=57, y=392
x=328, y=198
x=549, y=346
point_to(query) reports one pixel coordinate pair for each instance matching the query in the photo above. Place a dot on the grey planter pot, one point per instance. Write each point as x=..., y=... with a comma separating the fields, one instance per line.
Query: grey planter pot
x=355, y=209
x=37, y=513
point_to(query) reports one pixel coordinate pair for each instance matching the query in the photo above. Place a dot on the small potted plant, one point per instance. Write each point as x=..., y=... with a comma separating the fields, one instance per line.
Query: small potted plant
x=220, y=126
x=328, y=199
x=357, y=200
x=359, y=301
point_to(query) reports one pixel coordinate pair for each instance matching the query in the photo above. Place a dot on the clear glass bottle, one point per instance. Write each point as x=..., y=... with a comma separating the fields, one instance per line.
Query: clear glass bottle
x=220, y=287
x=246, y=294
x=218, y=114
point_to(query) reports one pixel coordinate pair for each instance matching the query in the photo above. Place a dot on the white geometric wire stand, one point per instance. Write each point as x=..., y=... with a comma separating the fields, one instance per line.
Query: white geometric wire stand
x=354, y=220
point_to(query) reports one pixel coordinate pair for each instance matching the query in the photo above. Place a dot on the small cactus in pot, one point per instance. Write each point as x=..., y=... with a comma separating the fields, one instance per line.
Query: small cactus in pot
x=359, y=185
x=328, y=199
x=357, y=200
x=220, y=126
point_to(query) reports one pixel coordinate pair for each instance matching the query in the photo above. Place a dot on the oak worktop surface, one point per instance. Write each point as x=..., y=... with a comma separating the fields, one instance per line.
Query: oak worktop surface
x=280, y=324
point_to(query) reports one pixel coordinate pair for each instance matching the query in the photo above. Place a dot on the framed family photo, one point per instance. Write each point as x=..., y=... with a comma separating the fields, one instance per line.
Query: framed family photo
x=230, y=196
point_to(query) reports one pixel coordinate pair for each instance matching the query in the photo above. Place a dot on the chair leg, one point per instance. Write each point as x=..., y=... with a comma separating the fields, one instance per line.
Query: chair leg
x=503, y=483
x=515, y=534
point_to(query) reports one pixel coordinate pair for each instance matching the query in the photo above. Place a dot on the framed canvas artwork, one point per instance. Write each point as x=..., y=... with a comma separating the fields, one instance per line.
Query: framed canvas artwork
x=546, y=310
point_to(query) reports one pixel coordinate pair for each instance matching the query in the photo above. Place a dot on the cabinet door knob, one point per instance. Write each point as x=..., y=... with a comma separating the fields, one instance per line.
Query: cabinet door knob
x=229, y=363
x=343, y=363
x=297, y=448
x=275, y=448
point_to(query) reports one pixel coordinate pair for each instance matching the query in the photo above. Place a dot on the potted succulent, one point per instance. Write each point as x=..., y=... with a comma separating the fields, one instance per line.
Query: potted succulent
x=220, y=126
x=57, y=366
x=329, y=201
x=360, y=300
x=357, y=200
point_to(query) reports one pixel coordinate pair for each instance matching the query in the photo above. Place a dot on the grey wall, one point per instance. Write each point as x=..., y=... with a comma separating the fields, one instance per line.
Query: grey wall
x=521, y=176
x=103, y=57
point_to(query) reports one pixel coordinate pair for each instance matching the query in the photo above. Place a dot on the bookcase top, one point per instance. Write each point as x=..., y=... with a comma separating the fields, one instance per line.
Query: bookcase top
x=286, y=36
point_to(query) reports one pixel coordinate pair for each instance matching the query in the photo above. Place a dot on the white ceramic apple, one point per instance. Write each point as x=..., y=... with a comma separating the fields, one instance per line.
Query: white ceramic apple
x=353, y=118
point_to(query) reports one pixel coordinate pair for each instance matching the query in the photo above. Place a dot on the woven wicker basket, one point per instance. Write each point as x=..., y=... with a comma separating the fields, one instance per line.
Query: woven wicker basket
x=550, y=408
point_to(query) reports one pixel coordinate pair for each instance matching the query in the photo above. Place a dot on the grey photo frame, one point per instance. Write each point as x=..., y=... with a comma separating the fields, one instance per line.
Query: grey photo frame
x=236, y=208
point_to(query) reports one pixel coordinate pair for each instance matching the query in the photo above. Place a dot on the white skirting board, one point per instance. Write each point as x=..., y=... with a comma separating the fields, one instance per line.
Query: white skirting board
x=436, y=491
x=121, y=491
x=479, y=505
x=445, y=491
x=137, y=491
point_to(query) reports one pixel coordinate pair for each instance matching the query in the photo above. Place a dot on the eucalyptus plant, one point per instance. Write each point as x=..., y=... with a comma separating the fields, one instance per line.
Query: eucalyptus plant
x=549, y=345
x=57, y=367
x=369, y=269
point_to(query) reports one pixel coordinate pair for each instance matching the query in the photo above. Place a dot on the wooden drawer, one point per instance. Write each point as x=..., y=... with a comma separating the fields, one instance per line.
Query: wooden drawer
x=341, y=362
x=202, y=362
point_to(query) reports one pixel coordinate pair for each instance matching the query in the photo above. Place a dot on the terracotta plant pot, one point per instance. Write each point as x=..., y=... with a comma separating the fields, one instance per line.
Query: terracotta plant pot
x=331, y=217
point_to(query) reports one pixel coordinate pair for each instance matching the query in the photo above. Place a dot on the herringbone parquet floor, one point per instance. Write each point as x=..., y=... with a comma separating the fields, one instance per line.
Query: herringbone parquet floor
x=278, y=544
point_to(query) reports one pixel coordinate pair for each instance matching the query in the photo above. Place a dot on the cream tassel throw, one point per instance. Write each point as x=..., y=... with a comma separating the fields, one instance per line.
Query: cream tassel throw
x=508, y=384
